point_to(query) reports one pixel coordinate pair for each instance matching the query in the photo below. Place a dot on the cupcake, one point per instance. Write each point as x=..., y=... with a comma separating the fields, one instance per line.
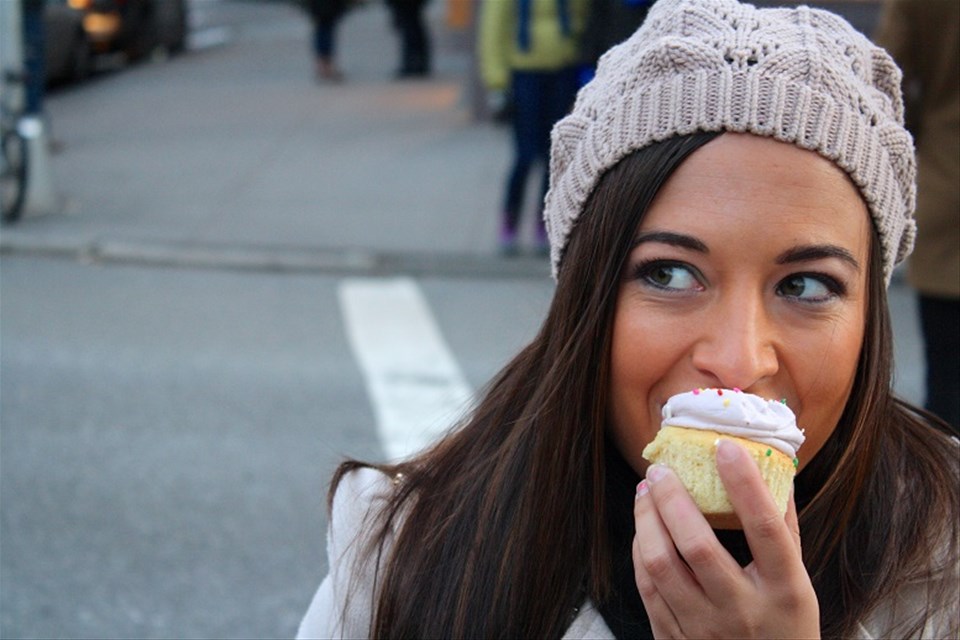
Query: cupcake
x=692, y=424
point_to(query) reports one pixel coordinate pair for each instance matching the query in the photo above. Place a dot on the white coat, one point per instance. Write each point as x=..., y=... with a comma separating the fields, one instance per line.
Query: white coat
x=342, y=607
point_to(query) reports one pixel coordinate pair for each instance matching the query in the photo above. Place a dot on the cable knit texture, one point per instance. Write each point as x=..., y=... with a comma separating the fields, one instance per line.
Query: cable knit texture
x=802, y=76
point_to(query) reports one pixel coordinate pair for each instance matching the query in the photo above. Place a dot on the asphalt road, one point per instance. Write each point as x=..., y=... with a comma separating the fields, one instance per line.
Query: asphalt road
x=168, y=435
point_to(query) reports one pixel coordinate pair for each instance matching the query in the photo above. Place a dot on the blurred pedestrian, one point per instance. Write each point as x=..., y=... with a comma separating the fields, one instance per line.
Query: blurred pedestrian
x=924, y=37
x=729, y=198
x=531, y=51
x=325, y=15
x=409, y=22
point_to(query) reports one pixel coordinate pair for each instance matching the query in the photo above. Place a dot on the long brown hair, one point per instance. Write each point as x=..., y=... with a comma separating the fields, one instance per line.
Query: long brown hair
x=501, y=525
x=884, y=493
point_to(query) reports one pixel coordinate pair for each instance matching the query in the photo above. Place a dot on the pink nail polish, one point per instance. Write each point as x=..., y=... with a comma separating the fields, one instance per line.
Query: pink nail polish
x=642, y=488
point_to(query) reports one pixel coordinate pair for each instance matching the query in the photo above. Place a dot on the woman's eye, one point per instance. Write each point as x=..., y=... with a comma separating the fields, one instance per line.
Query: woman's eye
x=809, y=288
x=668, y=275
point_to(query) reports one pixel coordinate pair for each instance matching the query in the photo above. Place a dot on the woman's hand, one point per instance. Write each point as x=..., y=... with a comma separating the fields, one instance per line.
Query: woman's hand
x=693, y=588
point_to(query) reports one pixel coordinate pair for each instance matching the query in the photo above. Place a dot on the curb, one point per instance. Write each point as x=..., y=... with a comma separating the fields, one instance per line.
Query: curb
x=276, y=259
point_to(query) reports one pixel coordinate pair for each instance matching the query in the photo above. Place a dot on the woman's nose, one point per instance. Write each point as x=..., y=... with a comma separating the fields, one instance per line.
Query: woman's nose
x=739, y=347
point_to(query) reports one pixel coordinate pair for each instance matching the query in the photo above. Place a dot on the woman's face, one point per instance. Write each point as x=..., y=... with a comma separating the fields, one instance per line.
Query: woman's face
x=749, y=270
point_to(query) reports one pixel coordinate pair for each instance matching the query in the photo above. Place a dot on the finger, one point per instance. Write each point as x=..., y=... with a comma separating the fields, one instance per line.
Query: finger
x=793, y=522
x=650, y=534
x=680, y=522
x=765, y=527
x=712, y=568
x=662, y=620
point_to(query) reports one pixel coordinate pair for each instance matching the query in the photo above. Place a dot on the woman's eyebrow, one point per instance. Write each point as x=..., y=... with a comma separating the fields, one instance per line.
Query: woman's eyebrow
x=817, y=252
x=675, y=239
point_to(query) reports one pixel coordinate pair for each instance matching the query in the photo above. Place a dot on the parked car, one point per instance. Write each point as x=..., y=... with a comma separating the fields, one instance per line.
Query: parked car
x=68, y=57
x=134, y=27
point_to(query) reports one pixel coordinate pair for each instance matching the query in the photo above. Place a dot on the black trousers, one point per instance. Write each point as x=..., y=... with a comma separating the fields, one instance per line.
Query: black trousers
x=940, y=323
x=414, y=39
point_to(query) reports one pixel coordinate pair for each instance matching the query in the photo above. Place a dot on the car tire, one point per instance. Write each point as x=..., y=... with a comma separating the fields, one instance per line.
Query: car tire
x=13, y=180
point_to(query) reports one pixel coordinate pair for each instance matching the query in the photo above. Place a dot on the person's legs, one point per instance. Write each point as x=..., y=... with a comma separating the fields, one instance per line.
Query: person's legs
x=415, y=43
x=34, y=33
x=560, y=90
x=526, y=88
x=324, y=47
x=417, y=55
x=940, y=322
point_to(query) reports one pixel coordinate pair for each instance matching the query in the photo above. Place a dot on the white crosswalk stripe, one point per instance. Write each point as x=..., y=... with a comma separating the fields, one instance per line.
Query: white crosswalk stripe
x=415, y=385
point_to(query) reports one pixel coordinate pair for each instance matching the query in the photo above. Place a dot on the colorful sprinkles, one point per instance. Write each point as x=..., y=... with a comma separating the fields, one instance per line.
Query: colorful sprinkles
x=726, y=401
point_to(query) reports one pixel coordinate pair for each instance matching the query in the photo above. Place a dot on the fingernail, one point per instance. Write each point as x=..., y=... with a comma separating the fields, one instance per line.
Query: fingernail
x=655, y=473
x=642, y=488
x=727, y=451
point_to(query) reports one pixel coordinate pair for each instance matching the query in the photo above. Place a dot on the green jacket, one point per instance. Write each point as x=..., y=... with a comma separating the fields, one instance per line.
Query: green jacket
x=550, y=49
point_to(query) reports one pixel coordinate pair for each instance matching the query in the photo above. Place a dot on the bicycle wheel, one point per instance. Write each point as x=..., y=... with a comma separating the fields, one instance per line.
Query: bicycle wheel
x=13, y=176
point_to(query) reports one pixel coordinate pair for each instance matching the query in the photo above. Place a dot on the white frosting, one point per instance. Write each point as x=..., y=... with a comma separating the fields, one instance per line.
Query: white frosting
x=735, y=413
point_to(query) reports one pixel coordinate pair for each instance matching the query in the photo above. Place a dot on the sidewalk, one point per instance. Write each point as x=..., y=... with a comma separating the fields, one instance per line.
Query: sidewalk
x=233, y=157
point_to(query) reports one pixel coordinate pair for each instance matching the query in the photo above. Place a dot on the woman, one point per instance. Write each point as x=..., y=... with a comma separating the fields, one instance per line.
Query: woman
x=728, y=200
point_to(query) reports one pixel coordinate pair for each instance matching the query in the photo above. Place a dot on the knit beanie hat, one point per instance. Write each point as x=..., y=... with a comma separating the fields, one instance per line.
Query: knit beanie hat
x=799, y=75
